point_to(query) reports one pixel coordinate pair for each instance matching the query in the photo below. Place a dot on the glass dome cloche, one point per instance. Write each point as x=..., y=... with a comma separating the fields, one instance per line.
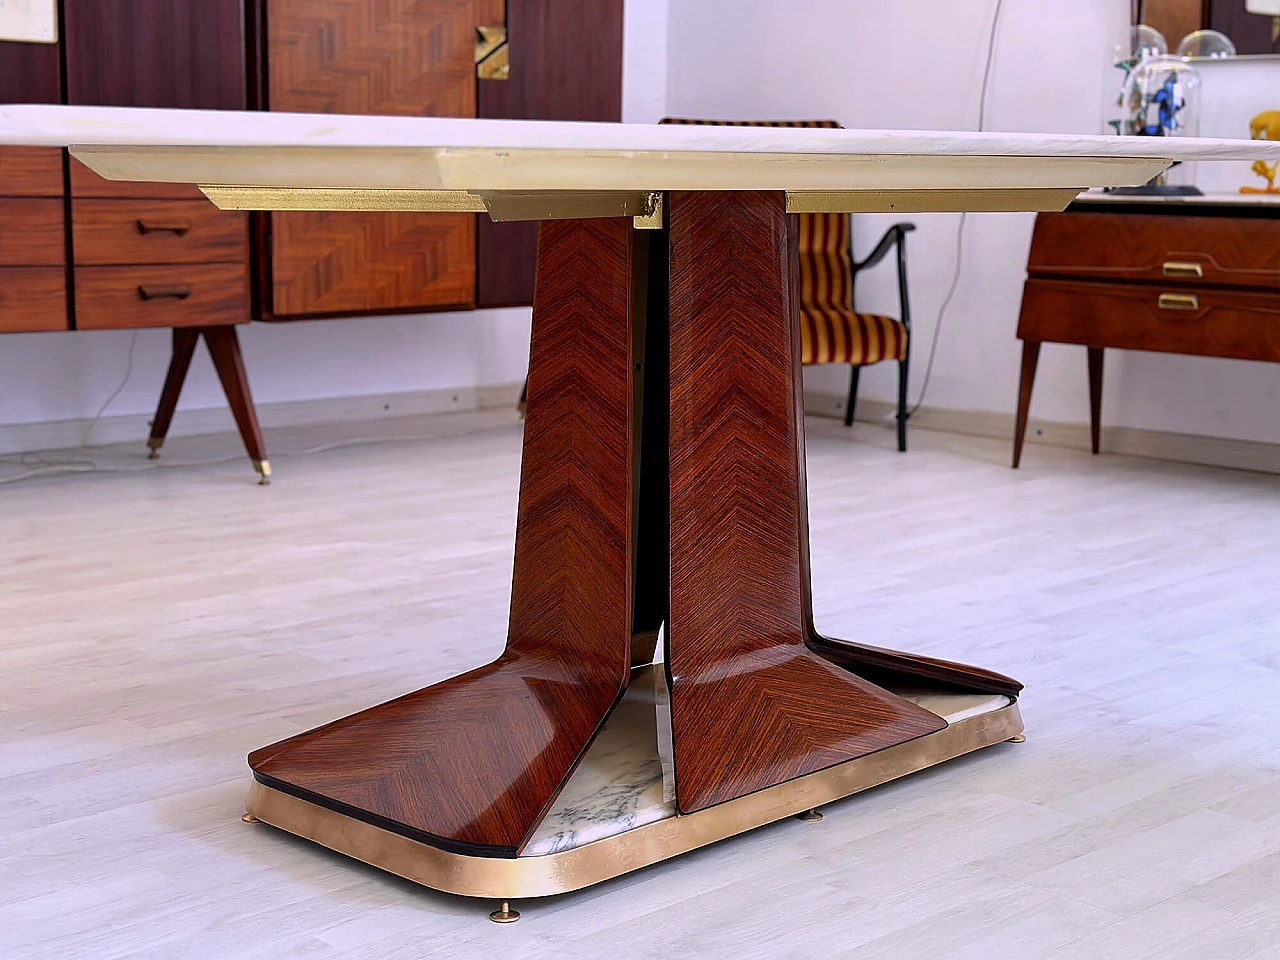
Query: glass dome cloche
x=1144, y=42
x=1162, y=99
x=1206, y=43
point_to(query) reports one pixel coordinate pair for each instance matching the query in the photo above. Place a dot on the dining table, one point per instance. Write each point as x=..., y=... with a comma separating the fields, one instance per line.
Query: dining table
x=663, y=685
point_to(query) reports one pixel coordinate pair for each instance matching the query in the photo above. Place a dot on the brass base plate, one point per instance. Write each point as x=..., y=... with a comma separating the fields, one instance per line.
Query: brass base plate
x=524, y=877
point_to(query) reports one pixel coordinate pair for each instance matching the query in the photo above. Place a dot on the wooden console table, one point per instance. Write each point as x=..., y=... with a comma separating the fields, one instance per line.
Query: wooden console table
x=662, y=485
x=1191, y=275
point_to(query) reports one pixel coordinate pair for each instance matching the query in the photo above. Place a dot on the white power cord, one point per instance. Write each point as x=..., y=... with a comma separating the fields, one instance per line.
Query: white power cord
x=964, y=217
x=46, y=468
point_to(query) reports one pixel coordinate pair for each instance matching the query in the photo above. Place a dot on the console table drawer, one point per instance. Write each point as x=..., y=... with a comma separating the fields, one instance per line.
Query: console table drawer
x=33, y=298
x=117, y=232
x=161, y=296
x=1240, y=324
x=32, y=233
x=1158, y=248
x=31, y=171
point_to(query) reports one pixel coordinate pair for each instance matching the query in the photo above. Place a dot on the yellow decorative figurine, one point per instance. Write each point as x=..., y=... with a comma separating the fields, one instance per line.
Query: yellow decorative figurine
x=1265, y=126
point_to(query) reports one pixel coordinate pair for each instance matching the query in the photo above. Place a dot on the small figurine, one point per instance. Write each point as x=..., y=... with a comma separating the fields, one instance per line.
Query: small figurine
x=1265, y=126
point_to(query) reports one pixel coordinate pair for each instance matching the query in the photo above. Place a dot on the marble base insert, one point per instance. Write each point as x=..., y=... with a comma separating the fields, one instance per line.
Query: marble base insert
x=625, y=781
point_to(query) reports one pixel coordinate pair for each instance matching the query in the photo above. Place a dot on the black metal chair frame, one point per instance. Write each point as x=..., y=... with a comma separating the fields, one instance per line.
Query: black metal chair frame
x=895, y=238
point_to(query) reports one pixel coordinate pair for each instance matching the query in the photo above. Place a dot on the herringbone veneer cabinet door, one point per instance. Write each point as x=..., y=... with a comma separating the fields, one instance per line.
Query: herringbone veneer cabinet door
x=393, y=57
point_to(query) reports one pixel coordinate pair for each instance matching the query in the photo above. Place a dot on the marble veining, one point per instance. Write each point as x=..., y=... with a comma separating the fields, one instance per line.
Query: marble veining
x=620, y=784
x=625, y=781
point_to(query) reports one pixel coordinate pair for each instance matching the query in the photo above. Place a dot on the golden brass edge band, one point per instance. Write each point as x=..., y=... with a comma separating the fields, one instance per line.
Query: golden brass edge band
x=1034, y=200
x=319, y=198
x=569, y=870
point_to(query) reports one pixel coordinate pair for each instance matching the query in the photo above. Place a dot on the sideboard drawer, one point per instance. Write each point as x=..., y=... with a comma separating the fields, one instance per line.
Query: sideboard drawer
x=1239, y=324
x=33, y=298
x=32, y=233
x=161, y=296
x=30, y=172
x=1231, y=251
x=117, y=232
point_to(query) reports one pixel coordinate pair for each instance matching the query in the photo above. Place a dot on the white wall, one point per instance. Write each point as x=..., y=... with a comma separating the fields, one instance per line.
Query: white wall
x=49, y=377
x=886, y=63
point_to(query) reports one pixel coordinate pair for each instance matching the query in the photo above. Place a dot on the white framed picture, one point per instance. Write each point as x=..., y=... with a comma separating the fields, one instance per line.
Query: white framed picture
x=30, y=21
x=1263, y=7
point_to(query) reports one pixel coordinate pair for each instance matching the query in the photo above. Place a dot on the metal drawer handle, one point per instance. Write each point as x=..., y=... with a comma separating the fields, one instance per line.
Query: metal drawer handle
x=1179, y=301
x=1183, y=268
x=179, y=291
x=145, y=227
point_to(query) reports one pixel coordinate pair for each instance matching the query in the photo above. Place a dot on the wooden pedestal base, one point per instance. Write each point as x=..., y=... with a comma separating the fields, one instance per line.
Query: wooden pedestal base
x=662, y=488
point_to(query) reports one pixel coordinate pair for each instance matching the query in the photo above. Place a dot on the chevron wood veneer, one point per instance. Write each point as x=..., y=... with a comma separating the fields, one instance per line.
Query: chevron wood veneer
x=397, y=58
x=472, y=763
x=366, y=262
x=751, y=705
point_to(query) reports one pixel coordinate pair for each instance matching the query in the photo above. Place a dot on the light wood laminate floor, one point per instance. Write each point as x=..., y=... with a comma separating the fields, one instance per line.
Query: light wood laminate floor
x=157, y=626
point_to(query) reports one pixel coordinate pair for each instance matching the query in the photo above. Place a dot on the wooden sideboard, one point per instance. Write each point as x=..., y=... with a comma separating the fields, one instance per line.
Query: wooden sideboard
x=78, y=252
x=1198, y=276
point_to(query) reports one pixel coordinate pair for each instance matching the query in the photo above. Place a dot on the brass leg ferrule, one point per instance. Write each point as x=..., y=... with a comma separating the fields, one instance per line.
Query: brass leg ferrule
x=1018, y=739
x=264, y=468
x=810, y=816
x=250, y=818
x=154, y=443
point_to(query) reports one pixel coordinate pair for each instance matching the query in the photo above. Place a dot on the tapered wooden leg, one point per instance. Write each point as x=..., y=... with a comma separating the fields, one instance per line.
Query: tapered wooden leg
x=224, y=348
x=471, y=764
x=1030, y=357
x=853, y=396
x=751, y=705
x=1095, y=397
x=184, y=348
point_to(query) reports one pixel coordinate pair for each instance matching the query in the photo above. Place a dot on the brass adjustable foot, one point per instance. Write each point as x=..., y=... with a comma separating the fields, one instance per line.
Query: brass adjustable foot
x=155, y=443
x=264, y=468
x=505, y=915
x=1018, y=739
x=810, y=816
x=250, y=818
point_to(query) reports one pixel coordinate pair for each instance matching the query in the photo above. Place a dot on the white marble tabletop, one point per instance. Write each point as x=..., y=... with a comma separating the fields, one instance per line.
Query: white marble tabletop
x=57, y=125
x=338, y=152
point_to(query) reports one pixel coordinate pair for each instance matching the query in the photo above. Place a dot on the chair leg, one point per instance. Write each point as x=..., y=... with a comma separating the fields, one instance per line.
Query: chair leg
x=1095, y=396
x=184, y=348
x=853, y=397
x=1030, y=357
x=224, y=347
x=903, y=413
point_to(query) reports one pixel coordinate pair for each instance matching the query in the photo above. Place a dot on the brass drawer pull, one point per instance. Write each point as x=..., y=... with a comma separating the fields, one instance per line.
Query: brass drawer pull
x=145, y=227
x=1183, y=268
x=179, y=291
x=1179, y=301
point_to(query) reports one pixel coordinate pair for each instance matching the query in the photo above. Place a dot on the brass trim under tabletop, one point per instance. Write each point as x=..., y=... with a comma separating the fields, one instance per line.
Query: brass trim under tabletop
x=568, y=870
x=319, y=198
x=501, y=205
x=1036, y=200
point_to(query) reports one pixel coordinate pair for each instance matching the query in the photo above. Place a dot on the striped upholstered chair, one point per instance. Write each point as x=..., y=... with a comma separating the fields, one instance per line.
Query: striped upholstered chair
x=832, y=331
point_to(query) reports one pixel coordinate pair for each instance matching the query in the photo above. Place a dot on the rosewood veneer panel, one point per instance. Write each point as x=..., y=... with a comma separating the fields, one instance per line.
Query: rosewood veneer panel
x=751, y=705
x=392, y=58
x=473, y=763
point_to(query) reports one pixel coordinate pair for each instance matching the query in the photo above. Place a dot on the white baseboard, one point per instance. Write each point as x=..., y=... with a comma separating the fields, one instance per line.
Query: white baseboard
x=68, y=434
x=1127, y=441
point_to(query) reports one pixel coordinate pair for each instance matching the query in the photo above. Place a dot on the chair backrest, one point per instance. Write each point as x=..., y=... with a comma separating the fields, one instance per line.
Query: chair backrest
x=826, y=267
